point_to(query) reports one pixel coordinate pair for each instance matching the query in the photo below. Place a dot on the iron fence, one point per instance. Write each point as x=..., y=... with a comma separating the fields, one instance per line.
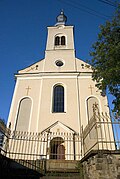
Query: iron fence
x=37, y=146
x=101, y=133
x=32, y=149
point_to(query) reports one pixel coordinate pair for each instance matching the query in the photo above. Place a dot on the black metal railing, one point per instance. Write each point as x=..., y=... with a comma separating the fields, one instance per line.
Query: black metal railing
x=33, y=149
x=101, y=133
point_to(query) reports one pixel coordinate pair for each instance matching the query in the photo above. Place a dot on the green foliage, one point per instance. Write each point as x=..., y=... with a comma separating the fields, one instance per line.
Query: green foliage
x=79, y=167
x=2, y=121
x=106, y=59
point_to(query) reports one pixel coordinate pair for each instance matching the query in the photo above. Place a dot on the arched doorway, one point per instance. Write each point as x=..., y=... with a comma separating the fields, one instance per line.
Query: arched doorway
x=57, y=148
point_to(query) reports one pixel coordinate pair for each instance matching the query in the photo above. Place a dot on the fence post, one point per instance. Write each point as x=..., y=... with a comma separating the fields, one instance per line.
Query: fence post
x=74, y=146
x=48, y=132
x=82, y=142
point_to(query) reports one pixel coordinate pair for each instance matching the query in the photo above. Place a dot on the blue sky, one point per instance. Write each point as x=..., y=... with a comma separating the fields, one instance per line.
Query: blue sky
x=23, y=33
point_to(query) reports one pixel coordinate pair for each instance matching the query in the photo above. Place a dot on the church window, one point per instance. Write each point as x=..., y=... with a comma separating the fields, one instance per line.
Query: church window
x=63, y=40
x=59, y=63
x=59, y=40
x=23, y=116
x=58, y=99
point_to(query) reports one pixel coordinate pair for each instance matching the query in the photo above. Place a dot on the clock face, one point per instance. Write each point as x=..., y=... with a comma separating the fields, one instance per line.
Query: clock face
x=59, y=63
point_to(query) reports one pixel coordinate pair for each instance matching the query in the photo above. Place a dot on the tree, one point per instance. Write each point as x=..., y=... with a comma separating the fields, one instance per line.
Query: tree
x=2, y=121
x=106, y=59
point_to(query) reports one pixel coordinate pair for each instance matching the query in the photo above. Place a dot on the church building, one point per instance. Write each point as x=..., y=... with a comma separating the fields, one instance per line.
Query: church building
x=56, y=95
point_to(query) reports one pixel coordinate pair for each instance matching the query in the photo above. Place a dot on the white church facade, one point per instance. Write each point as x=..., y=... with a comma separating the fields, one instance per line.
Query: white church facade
x=56, y=95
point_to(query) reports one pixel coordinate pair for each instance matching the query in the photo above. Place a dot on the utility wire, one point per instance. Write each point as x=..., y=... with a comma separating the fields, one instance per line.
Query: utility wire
x=108, y=2
x=83, y=8
x=115, y=3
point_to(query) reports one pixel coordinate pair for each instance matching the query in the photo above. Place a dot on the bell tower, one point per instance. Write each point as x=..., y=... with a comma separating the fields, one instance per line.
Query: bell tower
x=60, y=46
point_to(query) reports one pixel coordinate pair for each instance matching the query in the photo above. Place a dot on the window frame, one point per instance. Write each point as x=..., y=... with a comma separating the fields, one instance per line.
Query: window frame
x=57, y=41
x=60, y=40
x=63, y=40
x=58, y=102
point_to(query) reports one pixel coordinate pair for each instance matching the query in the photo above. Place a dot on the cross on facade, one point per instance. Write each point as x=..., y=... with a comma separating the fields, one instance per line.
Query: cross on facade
x=28, y=88
x=91, y=89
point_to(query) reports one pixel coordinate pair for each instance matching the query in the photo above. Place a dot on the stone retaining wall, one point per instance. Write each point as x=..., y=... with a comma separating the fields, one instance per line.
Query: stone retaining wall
x=102, y=165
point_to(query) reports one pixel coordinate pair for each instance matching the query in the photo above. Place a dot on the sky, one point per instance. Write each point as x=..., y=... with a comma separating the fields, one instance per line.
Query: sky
x=23, y=34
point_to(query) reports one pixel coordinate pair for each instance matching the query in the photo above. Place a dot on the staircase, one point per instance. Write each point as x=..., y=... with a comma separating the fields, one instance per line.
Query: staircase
x=62, y=169
x=11, y=169
x=36, y=169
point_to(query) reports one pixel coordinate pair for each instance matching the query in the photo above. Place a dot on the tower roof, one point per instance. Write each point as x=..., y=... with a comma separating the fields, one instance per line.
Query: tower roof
x=61, y=19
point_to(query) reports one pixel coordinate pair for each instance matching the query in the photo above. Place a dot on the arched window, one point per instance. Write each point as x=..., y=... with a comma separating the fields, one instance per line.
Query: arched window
x=23, y=116
x=92, y=104
x=63, y=40
x=57, y=40
x=60, y=40
x=58, y=99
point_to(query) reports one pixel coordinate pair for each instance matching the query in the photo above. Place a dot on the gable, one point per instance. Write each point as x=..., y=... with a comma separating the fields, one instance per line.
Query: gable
x=83, y=66
x=39, y=67
x=59, y=127
x=34, y=68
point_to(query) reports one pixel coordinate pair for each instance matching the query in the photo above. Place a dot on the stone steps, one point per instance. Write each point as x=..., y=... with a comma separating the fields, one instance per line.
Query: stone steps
x=61, y=177
x=62, y=169
x=62, y=166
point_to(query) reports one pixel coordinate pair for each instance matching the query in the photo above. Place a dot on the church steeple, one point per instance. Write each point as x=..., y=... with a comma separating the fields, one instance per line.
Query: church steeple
x=60, y=46
x=61, y=19
x=60, y=36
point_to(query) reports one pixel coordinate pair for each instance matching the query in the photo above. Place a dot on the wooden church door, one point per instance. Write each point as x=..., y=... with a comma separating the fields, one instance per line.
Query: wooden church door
x=61, y=152
x=57, y=150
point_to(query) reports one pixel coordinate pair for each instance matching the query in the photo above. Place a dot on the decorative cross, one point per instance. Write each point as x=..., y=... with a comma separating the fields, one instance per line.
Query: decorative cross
x=28, y=88
x=91, y=89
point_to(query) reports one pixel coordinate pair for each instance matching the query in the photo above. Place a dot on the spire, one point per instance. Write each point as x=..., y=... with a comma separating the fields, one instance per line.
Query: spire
x=61, y=19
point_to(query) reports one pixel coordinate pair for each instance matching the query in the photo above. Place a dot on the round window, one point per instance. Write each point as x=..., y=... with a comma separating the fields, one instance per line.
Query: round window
x=59, y=63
